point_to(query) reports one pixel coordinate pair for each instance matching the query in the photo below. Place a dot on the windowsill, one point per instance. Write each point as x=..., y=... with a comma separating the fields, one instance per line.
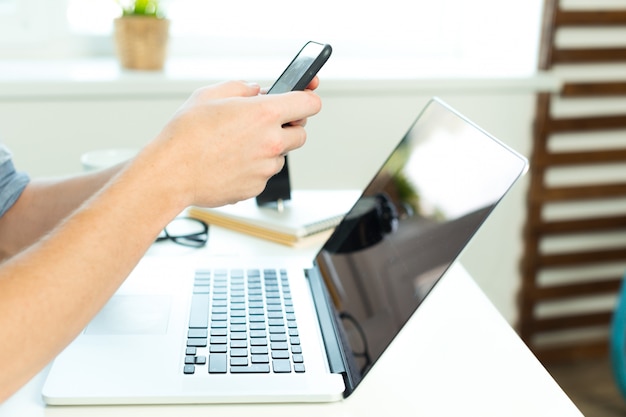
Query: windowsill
x=104, y=77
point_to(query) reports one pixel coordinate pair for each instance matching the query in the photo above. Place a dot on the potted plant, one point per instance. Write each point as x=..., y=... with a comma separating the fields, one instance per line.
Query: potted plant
x=141, y=35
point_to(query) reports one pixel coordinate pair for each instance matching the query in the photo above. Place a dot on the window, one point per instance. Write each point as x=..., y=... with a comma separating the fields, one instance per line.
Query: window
x=19, y=26
x=494, y=32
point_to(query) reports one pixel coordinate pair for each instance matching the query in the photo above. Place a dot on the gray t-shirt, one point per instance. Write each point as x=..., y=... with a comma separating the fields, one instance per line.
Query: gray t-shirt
x=12, y=183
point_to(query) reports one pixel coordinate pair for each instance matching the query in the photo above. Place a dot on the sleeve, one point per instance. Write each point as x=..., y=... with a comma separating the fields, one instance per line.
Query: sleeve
x=12, y=182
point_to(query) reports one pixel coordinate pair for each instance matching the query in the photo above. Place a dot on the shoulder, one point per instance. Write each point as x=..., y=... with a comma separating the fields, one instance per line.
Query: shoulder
x=12, y=182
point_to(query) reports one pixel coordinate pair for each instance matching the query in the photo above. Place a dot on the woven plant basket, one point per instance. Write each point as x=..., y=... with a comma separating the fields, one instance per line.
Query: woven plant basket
x=141, y=42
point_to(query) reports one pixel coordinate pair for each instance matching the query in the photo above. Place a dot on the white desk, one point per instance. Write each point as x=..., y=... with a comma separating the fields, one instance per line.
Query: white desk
x=465, y=361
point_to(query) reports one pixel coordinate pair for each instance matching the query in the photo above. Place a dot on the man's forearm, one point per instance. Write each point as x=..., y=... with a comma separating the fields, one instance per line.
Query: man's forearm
x=43, y=204
x=50, y=291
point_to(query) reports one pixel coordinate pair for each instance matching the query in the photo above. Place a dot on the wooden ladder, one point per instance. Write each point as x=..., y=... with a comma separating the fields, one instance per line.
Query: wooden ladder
x=575, y=323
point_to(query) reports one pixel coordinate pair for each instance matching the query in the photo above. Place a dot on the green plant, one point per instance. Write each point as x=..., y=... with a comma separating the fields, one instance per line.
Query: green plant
x=151, y=8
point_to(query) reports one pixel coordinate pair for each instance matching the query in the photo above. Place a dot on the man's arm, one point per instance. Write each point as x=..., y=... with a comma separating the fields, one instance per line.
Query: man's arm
x=43, y=204
x=219, y=148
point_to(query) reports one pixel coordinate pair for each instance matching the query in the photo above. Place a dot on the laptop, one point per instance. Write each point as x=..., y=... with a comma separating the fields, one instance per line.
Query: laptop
x=283, y=330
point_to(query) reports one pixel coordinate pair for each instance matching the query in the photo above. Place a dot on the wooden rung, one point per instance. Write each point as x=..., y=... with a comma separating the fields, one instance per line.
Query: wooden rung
x=581, y=158
x=587, y=192
x=584, y=124
x=573, y=321
x=576, y=290
x=589, y=18
x=594, y=89
x=588, y=55
x=571, y=259
x=560, y=227
x=572, y=351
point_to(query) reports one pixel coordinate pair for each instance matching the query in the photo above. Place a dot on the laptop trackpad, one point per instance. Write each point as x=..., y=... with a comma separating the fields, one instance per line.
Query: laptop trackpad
x=132, y=314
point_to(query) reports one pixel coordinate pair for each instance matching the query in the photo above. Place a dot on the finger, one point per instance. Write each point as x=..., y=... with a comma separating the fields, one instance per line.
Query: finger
x=296, y=105
x=315, y=82
x=294, y=137
x=280, y=163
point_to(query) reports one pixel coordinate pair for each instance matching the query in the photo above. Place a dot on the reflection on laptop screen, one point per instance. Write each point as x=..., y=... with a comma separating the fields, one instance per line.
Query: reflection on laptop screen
x=412, y=221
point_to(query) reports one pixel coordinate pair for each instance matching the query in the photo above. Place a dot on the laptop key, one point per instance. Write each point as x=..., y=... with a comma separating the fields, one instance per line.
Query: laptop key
x=189, y=369
x=238, y=361
x=281, y=366
x=238, y=328
x=258, y=341
x=252, y=369
x=258, y=350
x=238, y=352
x=280, y=354
x=196, y=342
x=238, y=336
x=260, y=358
x=197, y=333
x=218, y=340
x=277, y=329
x=238, y=344
x=218, y=332
x=278, y=337
x=217, y=363
x=199, y=315
x=279, y=346
x=218, y=325
x=217, y=349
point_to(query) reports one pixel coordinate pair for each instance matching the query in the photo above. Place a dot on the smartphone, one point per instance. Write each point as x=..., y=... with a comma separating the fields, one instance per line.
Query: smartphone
x=302, y=68
x=296, y=76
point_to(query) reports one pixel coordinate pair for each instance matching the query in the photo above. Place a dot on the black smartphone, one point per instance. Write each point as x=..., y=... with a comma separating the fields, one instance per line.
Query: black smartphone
x=302, y=68
x=296, y=76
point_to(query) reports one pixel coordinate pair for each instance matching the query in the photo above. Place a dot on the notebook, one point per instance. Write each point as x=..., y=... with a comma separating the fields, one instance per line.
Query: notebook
x=296, y=330
x=308, y=216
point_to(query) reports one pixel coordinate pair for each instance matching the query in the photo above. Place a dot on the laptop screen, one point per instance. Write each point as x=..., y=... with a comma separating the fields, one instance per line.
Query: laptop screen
x=412, y=221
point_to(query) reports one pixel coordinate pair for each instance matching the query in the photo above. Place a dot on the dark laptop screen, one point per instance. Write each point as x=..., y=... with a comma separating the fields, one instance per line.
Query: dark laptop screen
x=410, y=224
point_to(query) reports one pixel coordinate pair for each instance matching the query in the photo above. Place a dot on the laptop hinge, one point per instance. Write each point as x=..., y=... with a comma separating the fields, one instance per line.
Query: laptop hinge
x=335, y=342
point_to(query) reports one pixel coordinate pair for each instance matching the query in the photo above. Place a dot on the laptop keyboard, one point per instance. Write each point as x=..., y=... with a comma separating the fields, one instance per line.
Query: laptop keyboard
x=242, y=321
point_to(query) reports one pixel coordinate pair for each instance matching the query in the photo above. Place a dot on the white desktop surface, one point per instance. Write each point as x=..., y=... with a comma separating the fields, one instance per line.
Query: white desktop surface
x=456, y=357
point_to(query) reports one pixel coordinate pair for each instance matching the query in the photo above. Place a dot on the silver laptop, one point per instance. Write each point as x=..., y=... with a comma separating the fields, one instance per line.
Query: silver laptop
x=177, y=332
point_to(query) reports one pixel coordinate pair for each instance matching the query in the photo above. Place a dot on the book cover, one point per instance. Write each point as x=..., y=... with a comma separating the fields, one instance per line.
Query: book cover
x=308, y=214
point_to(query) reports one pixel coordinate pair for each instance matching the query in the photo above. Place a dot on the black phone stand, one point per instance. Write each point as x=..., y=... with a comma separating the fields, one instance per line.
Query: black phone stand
x=277, y=190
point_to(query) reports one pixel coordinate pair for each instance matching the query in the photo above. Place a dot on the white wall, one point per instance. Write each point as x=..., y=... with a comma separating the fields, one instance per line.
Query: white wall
x=48, y=125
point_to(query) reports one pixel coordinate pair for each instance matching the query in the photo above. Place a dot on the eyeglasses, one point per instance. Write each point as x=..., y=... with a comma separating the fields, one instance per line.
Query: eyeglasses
x=185, y=231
